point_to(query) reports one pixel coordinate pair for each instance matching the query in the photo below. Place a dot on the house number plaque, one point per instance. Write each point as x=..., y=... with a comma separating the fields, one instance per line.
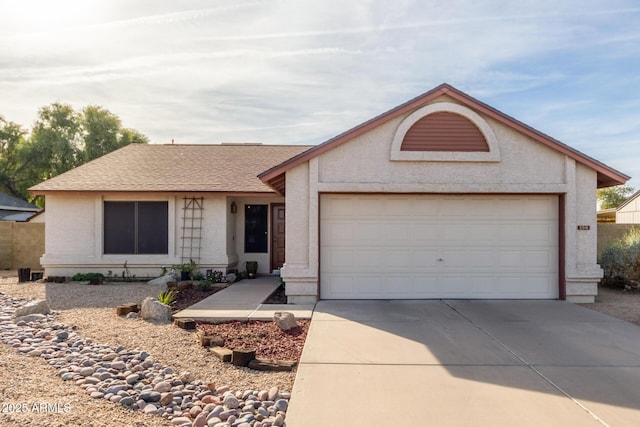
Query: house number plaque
x=584, y=227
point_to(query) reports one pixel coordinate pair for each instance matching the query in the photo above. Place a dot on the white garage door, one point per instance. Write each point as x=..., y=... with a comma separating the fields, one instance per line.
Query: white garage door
x=438, y=246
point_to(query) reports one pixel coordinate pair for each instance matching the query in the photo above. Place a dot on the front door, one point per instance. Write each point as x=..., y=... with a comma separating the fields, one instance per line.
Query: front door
x=277, y=236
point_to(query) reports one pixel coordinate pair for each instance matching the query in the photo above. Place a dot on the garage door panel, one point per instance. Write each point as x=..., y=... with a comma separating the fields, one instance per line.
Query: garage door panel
x=539, y=286
x=537, y=232
x=390, y=259
x=339, y=259
x=338, y=233
x=424, y=232
x=454, y=232
x=480, y=258
x=540, y=260
x=425, y=258
x=439, y=246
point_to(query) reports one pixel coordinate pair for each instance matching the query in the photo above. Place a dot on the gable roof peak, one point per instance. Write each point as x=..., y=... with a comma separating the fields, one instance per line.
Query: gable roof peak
x=607, y=176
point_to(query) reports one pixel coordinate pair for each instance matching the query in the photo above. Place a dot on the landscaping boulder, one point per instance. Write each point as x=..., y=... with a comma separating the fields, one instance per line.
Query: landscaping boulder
x=152, y=309
x=162, y=281
x=285, y=320
x=36, y=317
x=231, y=278
x=33, y=307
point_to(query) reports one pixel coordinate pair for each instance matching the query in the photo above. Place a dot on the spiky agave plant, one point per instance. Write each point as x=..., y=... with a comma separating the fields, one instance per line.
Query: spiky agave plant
x=168, y=296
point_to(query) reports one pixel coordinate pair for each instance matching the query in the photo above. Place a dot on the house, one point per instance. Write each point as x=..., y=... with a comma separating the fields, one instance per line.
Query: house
x=157, y=205
x=15, y=209
x=629, y=211
x=440, y=197
x=606, y=216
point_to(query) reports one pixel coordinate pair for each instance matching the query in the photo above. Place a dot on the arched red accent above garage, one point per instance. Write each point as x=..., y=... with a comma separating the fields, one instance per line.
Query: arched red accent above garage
x=444, y=131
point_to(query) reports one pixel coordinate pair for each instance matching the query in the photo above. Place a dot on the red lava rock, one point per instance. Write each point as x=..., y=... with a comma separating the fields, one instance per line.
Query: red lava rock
x=264, y=336
x=211, y=399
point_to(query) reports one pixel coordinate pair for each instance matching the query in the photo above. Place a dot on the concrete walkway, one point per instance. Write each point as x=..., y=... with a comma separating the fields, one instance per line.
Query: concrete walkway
x=463, y=363
x=243, y=301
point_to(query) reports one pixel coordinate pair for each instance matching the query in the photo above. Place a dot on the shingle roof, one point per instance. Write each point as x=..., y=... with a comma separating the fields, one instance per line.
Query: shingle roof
x=8, y=202
x=175, y=168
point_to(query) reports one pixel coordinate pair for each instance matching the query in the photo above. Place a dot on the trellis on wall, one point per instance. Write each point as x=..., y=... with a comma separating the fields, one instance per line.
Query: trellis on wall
x=192, y=215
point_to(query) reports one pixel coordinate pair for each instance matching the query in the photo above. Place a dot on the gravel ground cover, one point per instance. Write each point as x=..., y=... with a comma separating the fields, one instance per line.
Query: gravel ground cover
x=623, y=304
x=91, y=311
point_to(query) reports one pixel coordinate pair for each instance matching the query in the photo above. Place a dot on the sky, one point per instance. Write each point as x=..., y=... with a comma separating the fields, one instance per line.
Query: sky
x=301, y=72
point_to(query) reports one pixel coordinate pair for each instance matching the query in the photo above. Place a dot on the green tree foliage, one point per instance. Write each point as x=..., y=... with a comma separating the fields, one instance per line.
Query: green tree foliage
x=103, y=133
x=60, y=140
x=612, y=197
x=11, y=142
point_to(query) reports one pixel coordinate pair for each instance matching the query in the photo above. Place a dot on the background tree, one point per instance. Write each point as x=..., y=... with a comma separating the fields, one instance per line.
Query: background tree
x=60, y=140
x=11, y=140
x=103, y=132
x=612, y=197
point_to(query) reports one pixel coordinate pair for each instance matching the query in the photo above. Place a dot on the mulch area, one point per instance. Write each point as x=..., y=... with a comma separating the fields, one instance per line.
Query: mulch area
x=188, y=297
x=277, y=297
x=265, y=337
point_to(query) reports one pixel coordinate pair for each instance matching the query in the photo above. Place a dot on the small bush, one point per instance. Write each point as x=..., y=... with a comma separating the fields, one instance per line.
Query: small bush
x=167, y=297
x=85, y=277
x=217, y=276
x=204, y=285
x=621, y=261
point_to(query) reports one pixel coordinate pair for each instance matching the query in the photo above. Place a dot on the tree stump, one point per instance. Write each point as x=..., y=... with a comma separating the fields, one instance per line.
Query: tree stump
x=272, y=365
x=124, y=309
x=185, y=323
x=224, y=354
x=242, y=356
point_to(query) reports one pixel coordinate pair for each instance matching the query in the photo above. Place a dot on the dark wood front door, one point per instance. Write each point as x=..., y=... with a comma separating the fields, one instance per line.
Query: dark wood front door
x=277, y=236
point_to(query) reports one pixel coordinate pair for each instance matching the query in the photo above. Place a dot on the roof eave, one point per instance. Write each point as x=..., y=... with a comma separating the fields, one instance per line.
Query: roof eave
x=160, y=192
x=628, y=200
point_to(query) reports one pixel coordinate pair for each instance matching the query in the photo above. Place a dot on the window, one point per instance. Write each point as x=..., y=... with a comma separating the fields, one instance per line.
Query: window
x=136, y=228
x=256, y=238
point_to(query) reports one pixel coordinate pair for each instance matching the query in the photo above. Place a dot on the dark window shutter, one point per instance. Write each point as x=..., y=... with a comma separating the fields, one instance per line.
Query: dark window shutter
x=153, y=234
x=119, y=228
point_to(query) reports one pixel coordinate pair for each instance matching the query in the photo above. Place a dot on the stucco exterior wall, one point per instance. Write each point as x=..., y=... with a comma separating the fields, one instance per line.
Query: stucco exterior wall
x=74, y=237
x=629, y=213
x=581, y=234
x=363, y=165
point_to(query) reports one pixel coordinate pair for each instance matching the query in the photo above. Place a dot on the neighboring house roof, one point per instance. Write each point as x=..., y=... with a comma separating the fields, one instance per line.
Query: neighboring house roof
x=175, y=168
x=629, y=200
x=15, y=209
x=12, y=203
x=607, y=176
x=16, y=216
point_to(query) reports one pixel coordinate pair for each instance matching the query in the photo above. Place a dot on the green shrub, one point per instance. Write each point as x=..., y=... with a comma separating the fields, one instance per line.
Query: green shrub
x=205, y=285
x=621, y=260
x=167, y=297
x=84, y=277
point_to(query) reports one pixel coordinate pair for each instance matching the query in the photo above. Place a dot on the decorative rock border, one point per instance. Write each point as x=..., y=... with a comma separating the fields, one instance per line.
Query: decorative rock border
x=133, y=379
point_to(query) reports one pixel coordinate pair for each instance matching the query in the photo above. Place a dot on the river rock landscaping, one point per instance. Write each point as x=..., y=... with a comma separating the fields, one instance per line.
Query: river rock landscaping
x=89, y=312
x=133, y=379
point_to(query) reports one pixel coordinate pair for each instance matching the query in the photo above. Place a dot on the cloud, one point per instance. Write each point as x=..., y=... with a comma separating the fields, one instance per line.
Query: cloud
x=279, y=71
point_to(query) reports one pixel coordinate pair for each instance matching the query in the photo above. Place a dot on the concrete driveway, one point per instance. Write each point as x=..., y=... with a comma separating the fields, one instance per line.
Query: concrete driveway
x=463, y=363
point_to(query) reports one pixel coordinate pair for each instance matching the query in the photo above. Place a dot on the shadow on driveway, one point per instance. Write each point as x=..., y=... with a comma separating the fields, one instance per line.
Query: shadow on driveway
x=460, y=362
